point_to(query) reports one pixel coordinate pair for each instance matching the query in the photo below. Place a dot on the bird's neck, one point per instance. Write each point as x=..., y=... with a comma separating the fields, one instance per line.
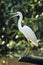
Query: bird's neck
x=19, y=22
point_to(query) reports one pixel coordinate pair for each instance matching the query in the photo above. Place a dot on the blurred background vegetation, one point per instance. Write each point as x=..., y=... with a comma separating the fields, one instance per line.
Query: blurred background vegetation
x=12, y=41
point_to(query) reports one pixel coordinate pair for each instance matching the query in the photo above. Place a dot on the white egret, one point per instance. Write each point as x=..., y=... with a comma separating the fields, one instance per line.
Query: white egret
x=26, y=30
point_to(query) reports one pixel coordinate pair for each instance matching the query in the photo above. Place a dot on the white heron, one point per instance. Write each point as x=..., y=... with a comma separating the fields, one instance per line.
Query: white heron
x=26, y=30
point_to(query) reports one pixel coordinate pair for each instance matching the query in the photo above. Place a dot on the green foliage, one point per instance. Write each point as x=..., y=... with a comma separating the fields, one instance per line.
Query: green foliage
x=32, y=16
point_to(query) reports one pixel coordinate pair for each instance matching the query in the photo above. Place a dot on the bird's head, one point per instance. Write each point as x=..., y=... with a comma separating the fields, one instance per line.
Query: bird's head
x=16, y=14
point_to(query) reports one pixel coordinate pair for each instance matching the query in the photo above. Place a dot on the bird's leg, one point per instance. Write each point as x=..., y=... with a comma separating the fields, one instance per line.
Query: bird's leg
x=27, y=51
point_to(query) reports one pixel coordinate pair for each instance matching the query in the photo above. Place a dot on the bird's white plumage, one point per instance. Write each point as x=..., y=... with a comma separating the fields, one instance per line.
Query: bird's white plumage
x=29, y=34
x=26, y=30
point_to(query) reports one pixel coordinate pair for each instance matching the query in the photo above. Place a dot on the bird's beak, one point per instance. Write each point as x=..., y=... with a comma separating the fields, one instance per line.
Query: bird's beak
x=14, y=15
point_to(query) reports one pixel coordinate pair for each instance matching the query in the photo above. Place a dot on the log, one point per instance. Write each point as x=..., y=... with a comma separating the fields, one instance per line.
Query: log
x=32, y=59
